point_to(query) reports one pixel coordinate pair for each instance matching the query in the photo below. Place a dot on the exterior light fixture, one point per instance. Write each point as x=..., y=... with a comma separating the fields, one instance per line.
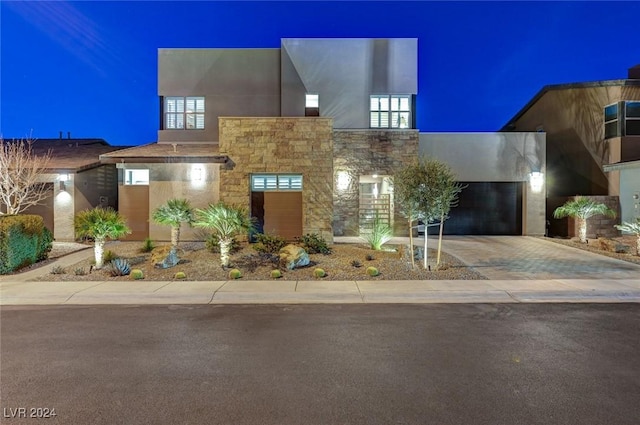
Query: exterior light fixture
x=63, y=178
x=197, y=174
x=343, y=180
x=536, y=180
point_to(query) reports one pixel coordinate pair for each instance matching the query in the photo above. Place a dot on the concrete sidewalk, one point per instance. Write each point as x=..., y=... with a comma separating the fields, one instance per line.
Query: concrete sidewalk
x=314, y=292
x=520, y=269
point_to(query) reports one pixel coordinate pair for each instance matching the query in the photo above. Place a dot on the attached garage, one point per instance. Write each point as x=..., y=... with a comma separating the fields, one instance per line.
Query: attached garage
x=505, y=174
x=486, y=208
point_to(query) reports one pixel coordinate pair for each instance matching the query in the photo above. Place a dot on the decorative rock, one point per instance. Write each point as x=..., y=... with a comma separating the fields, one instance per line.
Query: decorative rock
x=293, y=256
x=170, y=260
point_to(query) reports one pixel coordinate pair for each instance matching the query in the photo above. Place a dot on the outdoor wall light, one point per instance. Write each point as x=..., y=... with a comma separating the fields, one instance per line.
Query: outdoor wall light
x=536, y=180
x=63, y=178
x=343, y=180
x=197, y=174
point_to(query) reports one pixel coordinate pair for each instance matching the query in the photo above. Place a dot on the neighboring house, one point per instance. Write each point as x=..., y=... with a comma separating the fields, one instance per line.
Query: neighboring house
x=307, y=136
x=78, y=180
x=593, y=140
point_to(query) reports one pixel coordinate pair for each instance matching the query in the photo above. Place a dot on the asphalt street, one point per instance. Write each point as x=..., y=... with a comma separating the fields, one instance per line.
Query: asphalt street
x=321, y=364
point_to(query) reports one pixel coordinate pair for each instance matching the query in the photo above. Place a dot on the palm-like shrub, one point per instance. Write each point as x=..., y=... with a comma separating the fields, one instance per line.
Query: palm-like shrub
x=174, y=213
x=582, y=208
x=100, y=224
x=633, y=228
x=225, y=221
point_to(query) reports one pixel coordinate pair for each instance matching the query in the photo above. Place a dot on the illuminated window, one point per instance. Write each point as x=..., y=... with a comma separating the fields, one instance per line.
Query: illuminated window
x=390, y=111
x=136, y=177
x=269, y=182
x=183, y=113
x=312, y=105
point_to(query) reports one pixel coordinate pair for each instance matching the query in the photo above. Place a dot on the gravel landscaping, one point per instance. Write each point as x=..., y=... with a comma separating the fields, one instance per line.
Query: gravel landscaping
x=346, y=262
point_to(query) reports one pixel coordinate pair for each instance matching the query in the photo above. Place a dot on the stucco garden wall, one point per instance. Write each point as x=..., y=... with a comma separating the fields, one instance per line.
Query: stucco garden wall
x=281, y=145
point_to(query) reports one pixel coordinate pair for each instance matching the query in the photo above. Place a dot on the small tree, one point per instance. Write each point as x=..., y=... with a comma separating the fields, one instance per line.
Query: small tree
x=226, y=221
x=21, y=175
x=633, y=228
x=99, y=224
x=174, y=213
x=582, y=208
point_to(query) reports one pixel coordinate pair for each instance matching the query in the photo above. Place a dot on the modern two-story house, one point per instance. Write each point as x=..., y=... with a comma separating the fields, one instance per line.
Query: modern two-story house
x=593, y=145
x=307, y=136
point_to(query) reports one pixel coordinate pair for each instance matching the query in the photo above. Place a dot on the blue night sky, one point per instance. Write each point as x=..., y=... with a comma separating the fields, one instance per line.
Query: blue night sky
x=90, y=67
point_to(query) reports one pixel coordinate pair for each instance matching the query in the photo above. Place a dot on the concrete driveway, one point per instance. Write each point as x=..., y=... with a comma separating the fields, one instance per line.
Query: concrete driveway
x=526, y=257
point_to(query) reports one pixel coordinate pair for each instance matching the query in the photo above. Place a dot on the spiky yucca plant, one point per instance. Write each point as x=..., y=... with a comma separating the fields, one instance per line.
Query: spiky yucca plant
x=226, y=221
x=633, y=228
x=582, y=208
x=379, y=234
x=174, y=213
x=100, y=224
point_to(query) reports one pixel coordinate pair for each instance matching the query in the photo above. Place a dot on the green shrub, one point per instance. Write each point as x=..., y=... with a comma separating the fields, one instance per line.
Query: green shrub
x=276, y=274
x=235, y=274
x=80, y=271
x=119, y=267
x=212, y=243
x=318, y=272
x=314, y=244
x=23, y=241
x=58, y=270
x=269, y=244
x=109, y=256
x=372, y=271
x=147, y=245
x=180, y=275
x=137, y=274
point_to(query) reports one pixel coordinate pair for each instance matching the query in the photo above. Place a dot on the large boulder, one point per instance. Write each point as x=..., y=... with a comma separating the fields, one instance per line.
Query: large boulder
x=293, y=256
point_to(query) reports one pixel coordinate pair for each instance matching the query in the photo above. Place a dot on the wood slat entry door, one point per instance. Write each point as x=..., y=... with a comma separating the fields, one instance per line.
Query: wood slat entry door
x=283, y=214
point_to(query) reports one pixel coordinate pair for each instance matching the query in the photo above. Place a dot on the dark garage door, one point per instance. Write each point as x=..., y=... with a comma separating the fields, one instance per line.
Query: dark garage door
x=487, y=208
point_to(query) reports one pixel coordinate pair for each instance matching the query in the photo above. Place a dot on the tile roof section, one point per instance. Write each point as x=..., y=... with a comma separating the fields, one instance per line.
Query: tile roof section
x=167, y=152
x=72, y=154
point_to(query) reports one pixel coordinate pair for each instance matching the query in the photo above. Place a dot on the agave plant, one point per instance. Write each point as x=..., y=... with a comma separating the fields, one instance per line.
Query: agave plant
x=174, y=213
x=582, y=208
x=226, y=221
x=379, y=234
x=633, y=228
x=100, y=224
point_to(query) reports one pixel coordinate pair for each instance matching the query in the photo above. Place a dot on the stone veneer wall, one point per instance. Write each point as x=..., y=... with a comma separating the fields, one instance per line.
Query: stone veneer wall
x=281, y=145
x=366, y=152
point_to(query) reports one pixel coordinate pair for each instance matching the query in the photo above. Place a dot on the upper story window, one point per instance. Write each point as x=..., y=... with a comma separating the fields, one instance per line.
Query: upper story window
x=611, y=123
x=312, y=105
x=390, y=111
x=184, y=113
x=622, y=119
x=632, y=118
x=136, y=177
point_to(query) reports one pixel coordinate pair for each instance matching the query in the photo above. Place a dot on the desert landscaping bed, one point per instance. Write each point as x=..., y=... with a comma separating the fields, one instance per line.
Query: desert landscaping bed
x=197, y=263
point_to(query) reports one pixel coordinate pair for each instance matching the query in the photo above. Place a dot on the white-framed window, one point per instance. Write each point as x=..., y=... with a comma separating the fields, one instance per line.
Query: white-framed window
x=312, y=105
x=271, y=182
x=390, y=111
x=136, y=177
x=184, y=112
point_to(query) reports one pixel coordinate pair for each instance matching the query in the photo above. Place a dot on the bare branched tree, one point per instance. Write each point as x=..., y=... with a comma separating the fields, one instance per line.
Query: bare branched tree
x=21, y=176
